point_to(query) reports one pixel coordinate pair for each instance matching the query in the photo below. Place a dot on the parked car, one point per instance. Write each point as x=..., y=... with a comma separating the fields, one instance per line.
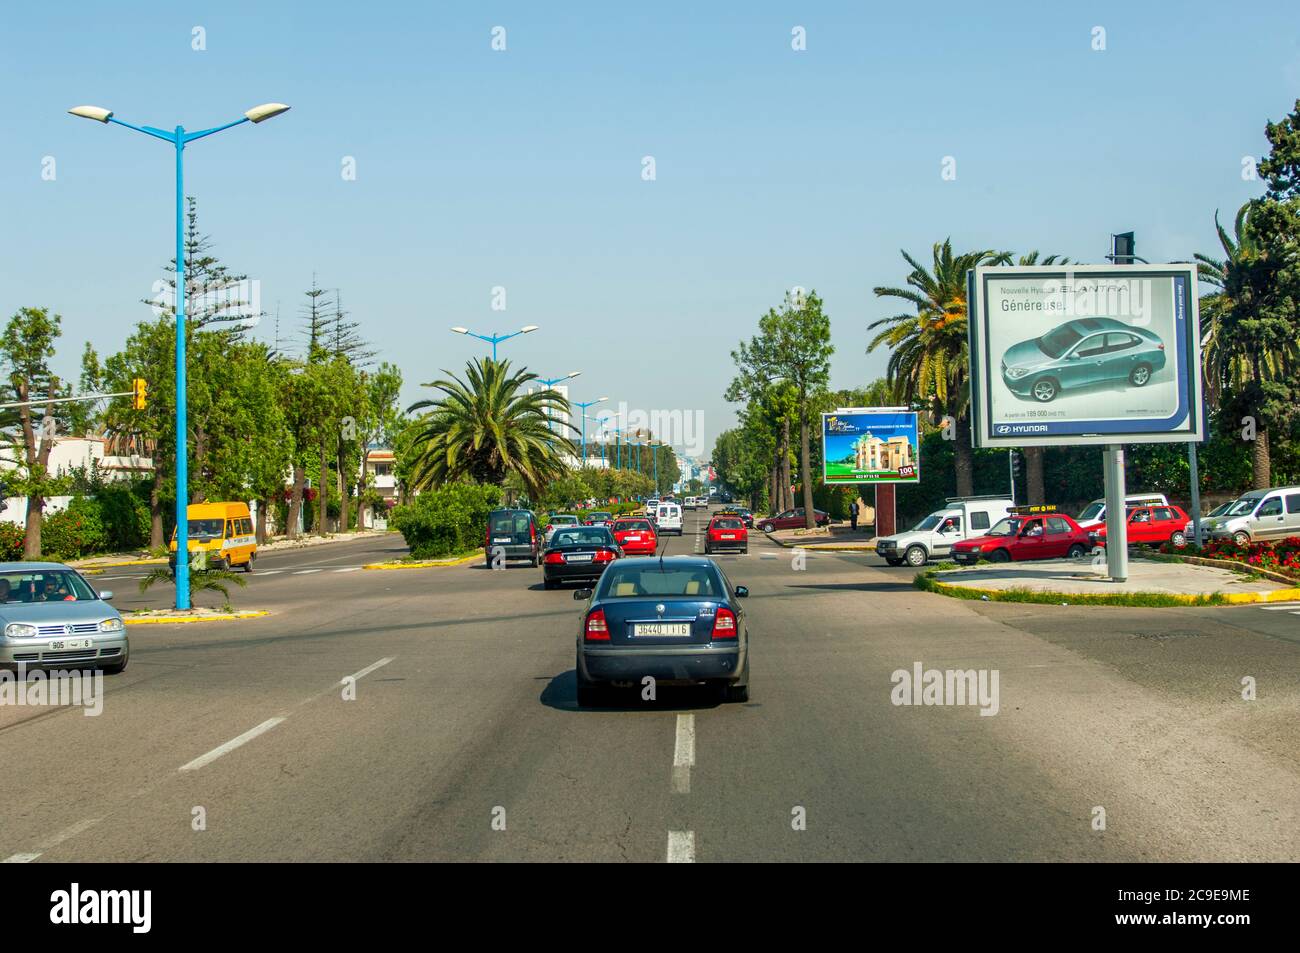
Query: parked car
x=598, y=519
x=678, y=620
x=50, y=616
x=934, y=536
x=1094, y=514
x=726, y=531
x=1260, y=516
x=1030, y=532
x=1189, y=530
x=578, y=553
x=1082, y=353
x=1151, y=526
x=792, y=519
x=514, y=533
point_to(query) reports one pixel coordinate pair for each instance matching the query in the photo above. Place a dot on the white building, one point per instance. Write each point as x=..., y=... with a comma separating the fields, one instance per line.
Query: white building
x=68, y=454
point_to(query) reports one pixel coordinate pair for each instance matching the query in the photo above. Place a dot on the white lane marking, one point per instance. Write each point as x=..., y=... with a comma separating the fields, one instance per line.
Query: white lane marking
x=305, y=572
x=231, y=745
x=110, y=578
x=346, y=569
x=1280, y=607
x=68, y=833
x=681, y=847
x=684, y=754
x=358, y=676
x=767, y=555
x=268, y=572
x=20, y=859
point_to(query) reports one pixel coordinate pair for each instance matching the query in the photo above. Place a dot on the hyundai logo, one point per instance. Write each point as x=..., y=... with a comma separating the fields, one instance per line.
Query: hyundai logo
x=1004, y=428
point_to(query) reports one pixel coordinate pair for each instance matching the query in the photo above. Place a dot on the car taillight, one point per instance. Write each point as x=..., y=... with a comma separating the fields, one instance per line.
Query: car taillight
x=597, y=630
x=553, y=558
x=604, y=555
x=1160, y=347
x=549, y=527
x=724, y=624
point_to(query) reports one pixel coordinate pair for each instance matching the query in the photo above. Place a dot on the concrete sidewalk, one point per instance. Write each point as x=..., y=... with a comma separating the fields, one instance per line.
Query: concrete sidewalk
x=1079, y=577
x=837, y=536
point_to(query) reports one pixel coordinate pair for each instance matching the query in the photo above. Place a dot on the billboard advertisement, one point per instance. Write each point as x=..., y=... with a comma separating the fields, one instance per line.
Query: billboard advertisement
x=1094, y=354
x=870, y=445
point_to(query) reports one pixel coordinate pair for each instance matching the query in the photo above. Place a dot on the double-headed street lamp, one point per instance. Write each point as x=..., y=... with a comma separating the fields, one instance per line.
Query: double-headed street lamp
x=584, y=406
x=552, y=381
x=495, y=339
x=179, y=138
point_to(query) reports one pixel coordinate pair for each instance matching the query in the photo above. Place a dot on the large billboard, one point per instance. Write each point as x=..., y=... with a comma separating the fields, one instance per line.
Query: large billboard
x=870, y=445
x=1094, y=354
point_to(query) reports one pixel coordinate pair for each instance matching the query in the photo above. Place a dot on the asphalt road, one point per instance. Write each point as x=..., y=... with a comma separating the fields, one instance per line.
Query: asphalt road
x=463, y=741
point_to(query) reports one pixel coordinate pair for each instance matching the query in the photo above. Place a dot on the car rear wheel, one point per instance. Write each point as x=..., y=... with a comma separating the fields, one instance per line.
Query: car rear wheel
x=1140, y=375
x=1045, y=390
x=549, y=583
x=1179, y=539
x=248, y=566
x=1000, y=556
x=1077, y=551
x=916, y=556
x=590, y=694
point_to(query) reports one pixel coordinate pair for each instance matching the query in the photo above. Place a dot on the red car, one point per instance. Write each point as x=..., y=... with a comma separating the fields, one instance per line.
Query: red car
x=635, y=536
x=1152, y=525
x=726, y=531
x=1028, y=532
x=792, y=519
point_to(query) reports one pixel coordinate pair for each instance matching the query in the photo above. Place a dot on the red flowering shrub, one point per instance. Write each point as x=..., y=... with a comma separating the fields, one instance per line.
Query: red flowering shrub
x=1282, y=556
x=11, y=541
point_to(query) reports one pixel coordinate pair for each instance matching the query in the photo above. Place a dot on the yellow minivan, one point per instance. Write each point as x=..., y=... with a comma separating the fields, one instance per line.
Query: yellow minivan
x=223, y=532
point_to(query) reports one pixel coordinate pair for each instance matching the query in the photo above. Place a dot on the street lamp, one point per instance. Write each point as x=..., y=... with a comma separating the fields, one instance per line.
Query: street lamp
x=552, y=381
x=179, y=138
x=584, y=406
x=495, y=339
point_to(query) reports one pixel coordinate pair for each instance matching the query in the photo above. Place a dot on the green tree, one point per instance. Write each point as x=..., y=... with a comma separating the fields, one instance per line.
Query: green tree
x=928, y=361
x=25, y=353
x=486, y=426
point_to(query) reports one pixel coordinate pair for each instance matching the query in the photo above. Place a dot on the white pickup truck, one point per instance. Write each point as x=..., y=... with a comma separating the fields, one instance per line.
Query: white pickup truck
x=962, y=518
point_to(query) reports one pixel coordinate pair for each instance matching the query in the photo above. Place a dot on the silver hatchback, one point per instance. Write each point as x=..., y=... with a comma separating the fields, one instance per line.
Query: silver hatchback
x=51, y=616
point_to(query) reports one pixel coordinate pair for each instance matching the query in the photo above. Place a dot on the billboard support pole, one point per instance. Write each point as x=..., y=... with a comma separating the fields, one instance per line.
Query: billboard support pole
x=1116, y=513
x=1196, y=494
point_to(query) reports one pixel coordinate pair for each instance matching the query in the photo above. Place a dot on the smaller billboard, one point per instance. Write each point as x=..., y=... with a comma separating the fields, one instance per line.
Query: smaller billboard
x=870, y=445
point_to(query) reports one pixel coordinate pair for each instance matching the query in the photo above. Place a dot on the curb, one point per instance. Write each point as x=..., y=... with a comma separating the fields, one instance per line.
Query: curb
x=224, y=617
x=1087, y=598
x=129, y=562
x=1229, y=564
x=819, y=547
x=424, y=563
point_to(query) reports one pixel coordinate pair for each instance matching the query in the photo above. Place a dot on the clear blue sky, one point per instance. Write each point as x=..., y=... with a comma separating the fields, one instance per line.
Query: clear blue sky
x=522, y=168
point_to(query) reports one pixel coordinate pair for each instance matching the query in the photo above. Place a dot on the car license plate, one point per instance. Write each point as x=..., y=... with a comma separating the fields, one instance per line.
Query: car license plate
x=503, y=539
x=577, y=559
x=661, y=628
x=65, y=645
x=632, y=539
x=728, y=535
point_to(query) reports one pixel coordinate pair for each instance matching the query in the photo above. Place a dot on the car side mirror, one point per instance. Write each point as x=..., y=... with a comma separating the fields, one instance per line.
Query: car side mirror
x=742, y=592
x=580, y=594
x=1073, y=357
x=106, y=594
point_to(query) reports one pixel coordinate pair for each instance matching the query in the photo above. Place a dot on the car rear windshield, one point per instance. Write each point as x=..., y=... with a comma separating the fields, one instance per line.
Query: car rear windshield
x=50, y=585
x=621, y=582
x=727, y=524
x=1056, y=342
x=633, y=526
x=600, y=516
x=564, y=521
x=509, y=524
x=594, y=536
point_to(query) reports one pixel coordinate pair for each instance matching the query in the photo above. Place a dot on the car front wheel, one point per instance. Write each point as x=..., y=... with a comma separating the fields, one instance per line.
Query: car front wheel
x=1076, y=551
x=1045, y=390
x=893, y=560
x=915, y=556
x=1000, y=556
x=1241, y=539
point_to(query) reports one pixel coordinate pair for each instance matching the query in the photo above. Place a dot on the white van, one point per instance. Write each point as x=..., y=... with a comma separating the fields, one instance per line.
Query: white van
x=1094, y=514
x=962, y=518
x=668, y=518
x=1260, y=516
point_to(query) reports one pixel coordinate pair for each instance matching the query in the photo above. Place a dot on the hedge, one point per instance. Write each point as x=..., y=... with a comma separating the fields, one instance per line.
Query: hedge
x=447, y=521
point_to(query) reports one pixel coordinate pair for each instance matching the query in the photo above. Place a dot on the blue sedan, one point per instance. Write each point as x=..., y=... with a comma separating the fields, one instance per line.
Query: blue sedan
x=1082, y=353
x=677, y=620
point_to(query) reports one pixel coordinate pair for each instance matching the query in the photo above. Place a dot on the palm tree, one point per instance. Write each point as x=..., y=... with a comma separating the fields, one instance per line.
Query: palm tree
x=929, y=361
x=1227, y=365
x=486, y=426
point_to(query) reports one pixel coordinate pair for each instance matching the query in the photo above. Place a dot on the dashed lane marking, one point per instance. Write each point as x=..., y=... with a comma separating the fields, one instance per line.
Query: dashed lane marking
x=681, y=847
x=684, y=754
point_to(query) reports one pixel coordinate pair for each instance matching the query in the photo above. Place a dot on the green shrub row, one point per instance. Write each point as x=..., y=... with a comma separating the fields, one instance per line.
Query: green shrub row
x=447, y=521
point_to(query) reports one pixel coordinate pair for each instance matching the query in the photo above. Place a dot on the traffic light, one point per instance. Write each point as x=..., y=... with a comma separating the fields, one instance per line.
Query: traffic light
x=1015, y=463
x=139, y=392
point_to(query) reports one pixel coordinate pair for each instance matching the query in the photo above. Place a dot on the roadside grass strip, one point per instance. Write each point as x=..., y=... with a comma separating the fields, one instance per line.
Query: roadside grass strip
x=425, y=563
x=926, y=582
x=157, y=619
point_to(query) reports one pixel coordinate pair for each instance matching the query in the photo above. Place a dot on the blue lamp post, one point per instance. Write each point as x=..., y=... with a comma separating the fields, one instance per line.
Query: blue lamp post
x=178, y=138
x=495, y=339
x=552, y=381
x=584, y=406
